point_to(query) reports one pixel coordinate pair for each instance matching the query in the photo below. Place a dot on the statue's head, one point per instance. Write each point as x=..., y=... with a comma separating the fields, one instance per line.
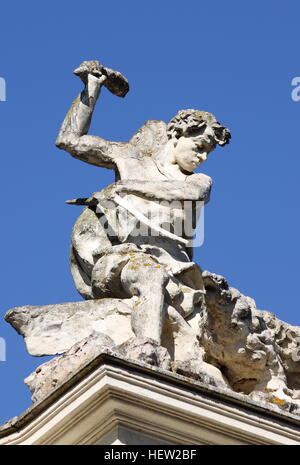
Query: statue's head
x=194, y=135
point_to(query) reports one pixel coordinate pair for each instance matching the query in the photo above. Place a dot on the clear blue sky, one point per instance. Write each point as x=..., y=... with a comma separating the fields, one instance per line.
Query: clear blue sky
x=234, y=59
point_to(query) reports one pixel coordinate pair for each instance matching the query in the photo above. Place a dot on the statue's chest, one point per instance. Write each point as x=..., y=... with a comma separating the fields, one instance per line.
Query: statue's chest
x=143, y=169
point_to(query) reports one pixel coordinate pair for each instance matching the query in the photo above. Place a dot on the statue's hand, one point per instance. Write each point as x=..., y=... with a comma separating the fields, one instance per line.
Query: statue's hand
x=93, y=71
x=93, y=68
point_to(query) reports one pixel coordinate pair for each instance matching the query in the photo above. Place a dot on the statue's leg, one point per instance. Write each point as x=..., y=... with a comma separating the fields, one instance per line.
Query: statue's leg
x=125, y=272
x=88, y=238
x=145, y=279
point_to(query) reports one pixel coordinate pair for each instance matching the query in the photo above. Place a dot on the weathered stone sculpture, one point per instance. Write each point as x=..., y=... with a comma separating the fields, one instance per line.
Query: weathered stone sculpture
x=131, y=260
x=156, y=165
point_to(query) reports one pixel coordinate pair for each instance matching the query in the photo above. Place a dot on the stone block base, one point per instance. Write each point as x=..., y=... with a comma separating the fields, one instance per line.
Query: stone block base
x=117, y=401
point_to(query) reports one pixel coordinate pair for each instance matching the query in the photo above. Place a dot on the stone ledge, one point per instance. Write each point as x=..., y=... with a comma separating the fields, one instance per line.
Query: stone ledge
x=146, y=402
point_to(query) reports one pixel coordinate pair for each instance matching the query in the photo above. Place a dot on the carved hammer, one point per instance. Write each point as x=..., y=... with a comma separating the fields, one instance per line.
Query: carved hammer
x=115, y=82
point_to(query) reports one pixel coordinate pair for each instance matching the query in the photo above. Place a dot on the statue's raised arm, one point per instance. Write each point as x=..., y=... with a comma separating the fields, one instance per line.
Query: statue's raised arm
x=73, y=133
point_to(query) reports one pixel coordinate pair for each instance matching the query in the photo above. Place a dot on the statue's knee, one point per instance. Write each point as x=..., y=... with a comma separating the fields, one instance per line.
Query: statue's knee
x=105, y=279
x=143, y=274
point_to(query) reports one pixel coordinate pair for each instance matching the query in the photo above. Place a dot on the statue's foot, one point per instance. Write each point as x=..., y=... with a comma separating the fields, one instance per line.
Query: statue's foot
x=145, y=350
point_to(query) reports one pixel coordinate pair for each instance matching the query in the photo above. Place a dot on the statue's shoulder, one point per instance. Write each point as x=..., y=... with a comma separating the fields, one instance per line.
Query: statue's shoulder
x=150, y=137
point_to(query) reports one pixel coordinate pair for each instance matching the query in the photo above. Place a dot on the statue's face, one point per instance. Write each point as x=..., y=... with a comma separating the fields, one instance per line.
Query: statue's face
x=191, y=151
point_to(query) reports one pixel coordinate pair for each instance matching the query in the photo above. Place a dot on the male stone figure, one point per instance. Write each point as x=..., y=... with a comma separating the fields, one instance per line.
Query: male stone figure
x=153, y=168
x=144, y=294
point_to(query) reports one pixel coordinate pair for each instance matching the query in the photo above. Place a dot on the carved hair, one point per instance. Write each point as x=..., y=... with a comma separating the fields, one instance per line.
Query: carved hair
x=187, y=122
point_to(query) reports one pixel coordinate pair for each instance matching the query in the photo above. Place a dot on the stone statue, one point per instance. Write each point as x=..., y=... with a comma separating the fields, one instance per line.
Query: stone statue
x=156, y=165
x=145, y=299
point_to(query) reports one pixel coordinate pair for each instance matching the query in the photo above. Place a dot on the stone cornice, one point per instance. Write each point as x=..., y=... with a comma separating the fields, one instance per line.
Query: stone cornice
x=111, y=392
